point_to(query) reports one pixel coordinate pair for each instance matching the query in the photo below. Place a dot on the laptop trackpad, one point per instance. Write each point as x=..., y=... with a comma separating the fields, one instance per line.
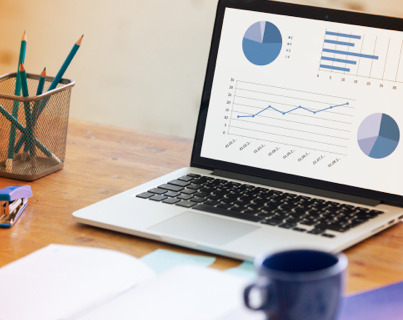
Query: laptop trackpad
x=198, y=227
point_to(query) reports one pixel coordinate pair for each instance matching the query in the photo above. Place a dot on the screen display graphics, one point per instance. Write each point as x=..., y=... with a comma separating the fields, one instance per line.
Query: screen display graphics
x=312, y=98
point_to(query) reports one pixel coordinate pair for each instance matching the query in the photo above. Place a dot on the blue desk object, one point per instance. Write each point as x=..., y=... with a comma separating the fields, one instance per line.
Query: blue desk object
x=13, y=201
x=245, y=270
x=382, y=303
x=162, y=260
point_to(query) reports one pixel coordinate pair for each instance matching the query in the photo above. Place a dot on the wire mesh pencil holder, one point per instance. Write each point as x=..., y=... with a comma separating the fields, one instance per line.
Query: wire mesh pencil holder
x=33, y=130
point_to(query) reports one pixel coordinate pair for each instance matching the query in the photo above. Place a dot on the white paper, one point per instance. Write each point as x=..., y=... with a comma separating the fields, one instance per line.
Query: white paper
x=182, y=293
x=61, y=282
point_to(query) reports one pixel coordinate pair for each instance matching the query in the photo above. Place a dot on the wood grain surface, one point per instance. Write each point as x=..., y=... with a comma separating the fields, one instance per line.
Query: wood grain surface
x=102, y=161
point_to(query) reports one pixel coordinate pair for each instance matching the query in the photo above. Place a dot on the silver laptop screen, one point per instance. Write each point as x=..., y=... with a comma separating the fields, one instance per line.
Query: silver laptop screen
x=311, y=98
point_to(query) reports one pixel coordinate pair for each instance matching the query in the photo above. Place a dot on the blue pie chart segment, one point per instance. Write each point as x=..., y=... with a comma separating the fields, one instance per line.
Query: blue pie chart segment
x=262, y=43
x=378, y=135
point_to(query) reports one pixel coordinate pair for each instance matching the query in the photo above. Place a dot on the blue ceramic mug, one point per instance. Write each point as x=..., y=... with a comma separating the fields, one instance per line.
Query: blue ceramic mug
x=298, y=285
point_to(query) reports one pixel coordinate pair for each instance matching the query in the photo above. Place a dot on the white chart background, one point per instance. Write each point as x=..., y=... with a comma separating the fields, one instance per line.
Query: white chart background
x=323, y=145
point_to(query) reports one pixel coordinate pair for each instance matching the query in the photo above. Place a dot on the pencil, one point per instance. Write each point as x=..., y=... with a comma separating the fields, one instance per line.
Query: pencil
x=23, y=130
x=39, y=91
x=17, y=92
x=61, y=72
x=29, y=146
x=66, y=64
x=41, y=83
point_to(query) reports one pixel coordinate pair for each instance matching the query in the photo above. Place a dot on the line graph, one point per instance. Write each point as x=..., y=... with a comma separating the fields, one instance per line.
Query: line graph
x=299, y=107
x=287, y=116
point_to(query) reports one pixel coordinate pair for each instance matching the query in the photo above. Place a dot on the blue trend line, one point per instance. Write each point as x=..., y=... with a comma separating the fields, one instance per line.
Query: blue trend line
x=300, y=107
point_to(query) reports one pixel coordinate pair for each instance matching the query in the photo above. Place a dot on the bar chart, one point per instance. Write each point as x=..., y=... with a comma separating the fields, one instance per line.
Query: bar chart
x=365, y=55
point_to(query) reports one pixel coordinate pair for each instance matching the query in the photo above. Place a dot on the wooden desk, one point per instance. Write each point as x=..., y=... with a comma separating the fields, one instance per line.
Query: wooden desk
x=103, y=161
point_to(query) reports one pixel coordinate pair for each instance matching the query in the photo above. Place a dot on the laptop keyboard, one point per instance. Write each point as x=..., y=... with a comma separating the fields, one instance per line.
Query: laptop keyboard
x=261, y=205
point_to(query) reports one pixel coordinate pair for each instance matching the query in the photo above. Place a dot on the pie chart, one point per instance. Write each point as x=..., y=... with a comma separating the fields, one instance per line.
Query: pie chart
x=262, y=43
x=378, y=135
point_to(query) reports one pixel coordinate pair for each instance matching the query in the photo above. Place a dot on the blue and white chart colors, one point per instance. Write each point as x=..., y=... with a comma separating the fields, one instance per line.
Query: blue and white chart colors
x=312, y=98
x=262, y=43
x=378, y=135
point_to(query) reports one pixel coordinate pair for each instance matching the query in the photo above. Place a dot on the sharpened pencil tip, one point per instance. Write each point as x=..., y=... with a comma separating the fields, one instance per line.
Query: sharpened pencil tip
x=24, y=36
x=22, y=68
x=43, y=73
x=80, y=40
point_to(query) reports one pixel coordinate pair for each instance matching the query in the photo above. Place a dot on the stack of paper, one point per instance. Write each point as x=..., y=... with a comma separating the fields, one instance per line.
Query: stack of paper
x=65, y=282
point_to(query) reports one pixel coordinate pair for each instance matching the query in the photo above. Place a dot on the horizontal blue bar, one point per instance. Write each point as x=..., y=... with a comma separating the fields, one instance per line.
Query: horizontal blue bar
x=340, y=43
x=334, y=68
x=329, y=33
x=339, y=60
x=351, y=54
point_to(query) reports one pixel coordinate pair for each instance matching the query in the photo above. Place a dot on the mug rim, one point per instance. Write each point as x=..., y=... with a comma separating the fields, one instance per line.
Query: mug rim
x=339, y=267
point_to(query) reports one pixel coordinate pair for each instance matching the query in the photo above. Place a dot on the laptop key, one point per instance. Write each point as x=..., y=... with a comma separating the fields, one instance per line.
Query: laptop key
x=227, y=200
x=170, y=187
x=327, y=235
x=200, y=180
x=299, y=229
x=179, y=183
x=266, y=215
x=186, y=204
x=185, y=196
x=251, y=211
x=195, y=186
x=316, y=231
x=287, y=225
x=212, y=202
x=228, y=213
x=225, y=205
x=214, y=183
x=293, y=220
x=157, y=191
x=198, y=199
x=333, y=227
x=201, y=194
x=217, y=197
x=188, y=191
x=219, y=192
x=171, y=194
x=145, y=195
x=256, y=206
x=186, y=178
x=239, y=209
x=272, y=222
x=171, y=201
x=194, y=175
x=356, y=223
x=158, y=197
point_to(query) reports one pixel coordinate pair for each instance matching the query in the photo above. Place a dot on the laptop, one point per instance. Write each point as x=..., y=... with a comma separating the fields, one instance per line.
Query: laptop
x=297, y=142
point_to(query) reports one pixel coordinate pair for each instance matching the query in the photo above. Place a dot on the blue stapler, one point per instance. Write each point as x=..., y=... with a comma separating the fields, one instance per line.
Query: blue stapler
x=13, y=201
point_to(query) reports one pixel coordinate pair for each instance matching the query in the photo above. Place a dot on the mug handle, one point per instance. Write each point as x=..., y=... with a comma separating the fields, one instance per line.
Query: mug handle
x=246, y=294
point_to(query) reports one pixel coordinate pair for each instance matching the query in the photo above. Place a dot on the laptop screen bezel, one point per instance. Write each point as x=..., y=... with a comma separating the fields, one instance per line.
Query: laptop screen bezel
x=301, y=11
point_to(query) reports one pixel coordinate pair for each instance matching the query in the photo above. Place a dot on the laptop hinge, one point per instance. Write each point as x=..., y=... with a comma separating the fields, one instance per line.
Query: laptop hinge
x=297, y=188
